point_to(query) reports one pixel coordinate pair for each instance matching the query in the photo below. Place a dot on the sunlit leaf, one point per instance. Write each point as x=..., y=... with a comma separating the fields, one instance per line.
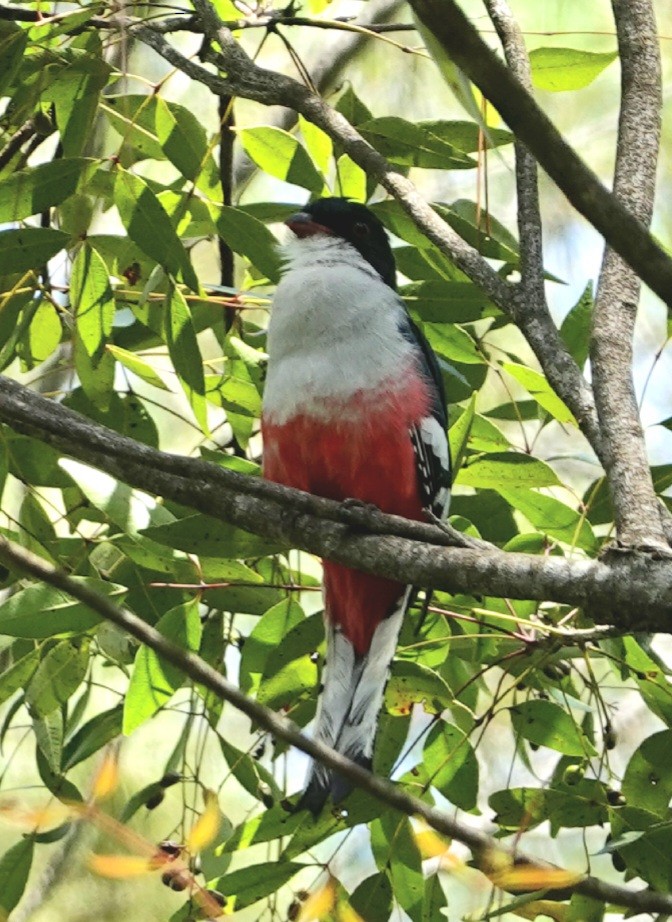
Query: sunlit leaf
x=279, y=154
x=507, y=469
x=154, y=681
x=206, y=827
x=120, y=867
x=106, y=779
x=559, y=69
x=539, y=388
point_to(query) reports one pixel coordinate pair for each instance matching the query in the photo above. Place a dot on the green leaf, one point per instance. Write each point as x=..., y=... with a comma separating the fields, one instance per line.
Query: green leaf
x=507, y=469
x=267, y=634
x=33, y=190
x=185, y=354
x=43, y=611
x=96, y=377
x=130, y=509
x=454, y=344
x=182, y=138
x=249, y=773
x=57, y=677
x=515, y=807
x=482, y=230
x=138, y=366
x=48, y=730
x=18, y=675
x=539, y=388
x=559, y=69
x=372, y=899
x=575, y=329
x=458, y=435
x=89, y=739
x=351, y=179
x=133, y=116
x=149, y=227
x=546, y=724
x=553, y=518
x=290, y=671
x=42, y=337
x=463, y=135
x=249, y=885
x=154, y=681
x=319, y=144
x=249, y=237
x=208, y=537
x=414, y=144
x=93, y=300
x=29, y=248
x=13, y=41
x=412, y=683
x=279, y=154
x=75, y=94
x=15, y=867
x=451, y=765
x=394, y=848
x=647, y=782
x=265, y=827
x=447, y=302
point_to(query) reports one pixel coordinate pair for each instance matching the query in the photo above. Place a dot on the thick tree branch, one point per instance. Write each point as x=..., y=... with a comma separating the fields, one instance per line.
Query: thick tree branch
x=632, y=591
x=281, y=728
x=620, y=228
x=245, y=79
x=531, y=293
x=636, y=507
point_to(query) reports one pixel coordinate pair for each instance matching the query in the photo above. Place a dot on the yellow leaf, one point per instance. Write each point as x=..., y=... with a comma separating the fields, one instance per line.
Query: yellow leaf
x=347, y=914
x=35, y=819
x=120, y=867
x=107, y=778
x=530, y=877
x=556, y=911
x=319, y=903
x=207, y=825
x=431, y=844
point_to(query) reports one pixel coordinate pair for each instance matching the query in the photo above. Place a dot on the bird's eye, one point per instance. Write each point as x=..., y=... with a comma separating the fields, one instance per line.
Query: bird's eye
x=361, y=230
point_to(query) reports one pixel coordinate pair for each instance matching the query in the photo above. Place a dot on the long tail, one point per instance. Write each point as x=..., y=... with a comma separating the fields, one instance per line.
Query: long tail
x=352, y=695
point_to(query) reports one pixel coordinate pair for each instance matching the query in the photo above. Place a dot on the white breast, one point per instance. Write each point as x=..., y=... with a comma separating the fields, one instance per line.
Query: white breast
x=334, y=331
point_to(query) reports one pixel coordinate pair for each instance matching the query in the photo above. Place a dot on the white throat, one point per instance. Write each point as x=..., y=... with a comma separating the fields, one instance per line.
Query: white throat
x=334, y=331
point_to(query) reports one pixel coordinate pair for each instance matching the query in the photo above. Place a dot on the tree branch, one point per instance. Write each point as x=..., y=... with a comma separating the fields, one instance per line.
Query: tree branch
x=281, y=728
x=531, y=293
x=632, y=591
x=622, y=230
x=636, y=507
x=245, y=79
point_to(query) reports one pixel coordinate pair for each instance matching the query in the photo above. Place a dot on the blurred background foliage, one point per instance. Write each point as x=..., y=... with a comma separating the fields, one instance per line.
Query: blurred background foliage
x=116, y=299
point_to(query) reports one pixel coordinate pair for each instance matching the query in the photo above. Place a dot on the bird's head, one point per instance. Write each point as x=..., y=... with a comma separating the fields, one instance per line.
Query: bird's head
x=352, y=222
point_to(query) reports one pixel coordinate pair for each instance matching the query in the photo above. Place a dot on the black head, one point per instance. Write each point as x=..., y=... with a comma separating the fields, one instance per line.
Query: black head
x=339, y=217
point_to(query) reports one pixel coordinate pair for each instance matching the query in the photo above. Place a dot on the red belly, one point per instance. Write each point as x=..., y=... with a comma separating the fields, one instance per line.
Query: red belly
x=363, y=451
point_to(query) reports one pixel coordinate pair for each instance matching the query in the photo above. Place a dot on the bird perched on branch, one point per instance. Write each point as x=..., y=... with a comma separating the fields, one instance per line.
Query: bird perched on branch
x=354, y=408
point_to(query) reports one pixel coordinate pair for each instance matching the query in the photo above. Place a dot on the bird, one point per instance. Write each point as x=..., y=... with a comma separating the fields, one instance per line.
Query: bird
x=354, y=409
